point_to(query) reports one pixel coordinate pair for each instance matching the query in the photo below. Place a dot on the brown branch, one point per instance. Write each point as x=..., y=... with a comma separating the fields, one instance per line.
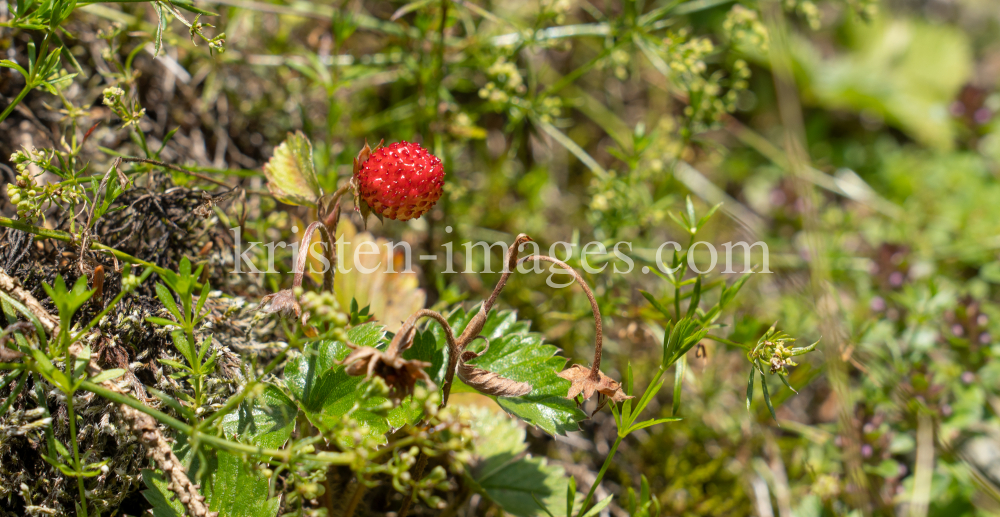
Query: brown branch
x=402, y=340
x=11, y=286
x=598, y=329
x=305, y=248
x=478, y=321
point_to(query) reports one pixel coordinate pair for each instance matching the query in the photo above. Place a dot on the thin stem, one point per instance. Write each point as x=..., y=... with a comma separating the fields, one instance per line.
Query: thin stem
x=219, y=443
x=76, y=452
x=69, y=238
x=132, y=159
x=242, y=395
x=303, y=256
x=595, y=370
x=402, y=340
x=110, y=306
x=352, y=505
x=478, y=321
x=331, y=218
x=421, y=465
x=600, y=476
x=17, y=100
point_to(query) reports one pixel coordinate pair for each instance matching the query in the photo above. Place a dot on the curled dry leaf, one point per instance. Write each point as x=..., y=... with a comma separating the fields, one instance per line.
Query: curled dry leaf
x=401, y=375
x=282, y=302
x=488, y=383
x=587, y=381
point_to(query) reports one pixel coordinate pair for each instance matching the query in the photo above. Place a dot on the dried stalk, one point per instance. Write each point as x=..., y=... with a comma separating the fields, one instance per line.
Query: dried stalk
x=595, y=369
x=475, y=326
x=588, y=382
x=12, y=287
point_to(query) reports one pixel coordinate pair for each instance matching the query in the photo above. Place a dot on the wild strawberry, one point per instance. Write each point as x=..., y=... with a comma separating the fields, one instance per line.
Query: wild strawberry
x=401, y=181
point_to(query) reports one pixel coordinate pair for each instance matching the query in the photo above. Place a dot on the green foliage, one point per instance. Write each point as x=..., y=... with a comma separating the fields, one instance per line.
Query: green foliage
x=233, y=488
x=267, y=421
x=291, y=175
x=519, y=355
x=569, y=121
x=522, y=485
x=326, y=393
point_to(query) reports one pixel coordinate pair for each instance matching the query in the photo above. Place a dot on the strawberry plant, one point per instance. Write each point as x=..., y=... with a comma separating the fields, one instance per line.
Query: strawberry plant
x=633, y=257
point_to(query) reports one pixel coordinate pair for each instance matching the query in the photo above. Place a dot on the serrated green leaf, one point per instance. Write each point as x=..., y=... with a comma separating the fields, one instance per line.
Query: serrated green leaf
x=267, y=421
x=163, y=501
x=522, y=485
x=520, y=355
x=326, y=393
x=291, y=175
x=231, y=487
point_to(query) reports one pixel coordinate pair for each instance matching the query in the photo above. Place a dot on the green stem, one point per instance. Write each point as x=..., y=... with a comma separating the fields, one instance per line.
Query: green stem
x=17, y=100
x=219, y=443
x=76, y=452
x=727, y=341
x=242, y=395
x=110, y=306
x=600, y=476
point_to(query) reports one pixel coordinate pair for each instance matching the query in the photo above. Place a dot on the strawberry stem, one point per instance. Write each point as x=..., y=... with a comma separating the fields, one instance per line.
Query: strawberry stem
x=479, y=320
x=404, y=338
x=595, y=370
x=303, y=256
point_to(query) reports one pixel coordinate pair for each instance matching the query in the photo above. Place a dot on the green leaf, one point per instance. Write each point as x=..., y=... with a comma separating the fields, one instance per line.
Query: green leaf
x=652, y=422
x=598, y=507
x=570, y=495
x=695, y=298
x=161, y=23
x=517, y=482
x=167, y=299
x=678, y=384
x=291, y=175
x=67, y=301
x=231, y=487
x=750, y=387
x=237, y=490
x=326, y=393
x=767, y=397
x=520, y=355
x=266, y=421
x=163, y=322
x=410, y=7
x=107, y=375
x=656, y=305
x=164, y=502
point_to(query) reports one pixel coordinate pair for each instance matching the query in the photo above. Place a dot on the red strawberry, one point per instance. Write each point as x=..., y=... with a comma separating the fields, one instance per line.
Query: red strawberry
x=401, y=181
